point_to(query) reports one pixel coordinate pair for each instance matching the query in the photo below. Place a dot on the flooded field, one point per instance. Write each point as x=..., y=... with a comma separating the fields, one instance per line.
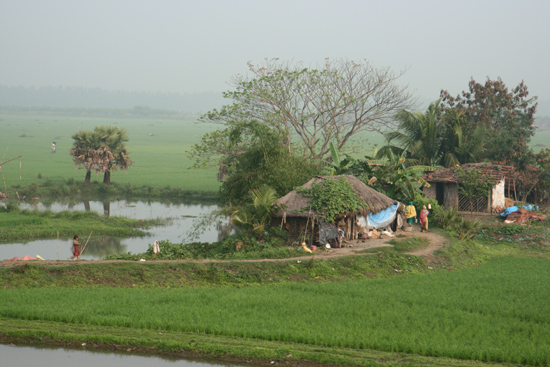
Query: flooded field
x=181, y=219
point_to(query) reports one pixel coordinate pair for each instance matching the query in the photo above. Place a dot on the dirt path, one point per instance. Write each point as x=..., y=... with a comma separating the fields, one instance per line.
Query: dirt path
x=436, y=242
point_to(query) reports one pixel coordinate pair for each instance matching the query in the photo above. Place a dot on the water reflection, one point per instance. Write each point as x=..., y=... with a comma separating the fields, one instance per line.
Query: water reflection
x=182, y=218
x=103, y=246
x=11, y=355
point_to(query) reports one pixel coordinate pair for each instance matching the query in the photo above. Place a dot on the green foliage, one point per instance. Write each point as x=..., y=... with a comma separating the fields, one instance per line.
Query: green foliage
x=533, y=183
x=255, y=216
x=254, y=156
x=419, y=135
x=474, y=184
x=393, y=176
x=102, y=150
x=466, y=229
x=331, y=197
x=507, y=115
x=461, y=143
x=446, y=218
x=271, y=244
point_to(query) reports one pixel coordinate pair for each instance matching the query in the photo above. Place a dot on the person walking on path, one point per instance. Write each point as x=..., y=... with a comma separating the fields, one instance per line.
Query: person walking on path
x=424, y=219
x=76, y=248
x=410, y=213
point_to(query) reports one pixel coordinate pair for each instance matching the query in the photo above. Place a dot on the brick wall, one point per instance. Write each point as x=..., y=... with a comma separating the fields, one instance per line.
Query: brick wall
x=429, y=191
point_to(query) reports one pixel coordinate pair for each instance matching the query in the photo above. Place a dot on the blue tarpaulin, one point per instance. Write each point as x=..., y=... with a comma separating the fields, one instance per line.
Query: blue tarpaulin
x=509, y=210
x=512, y=209
x=383, y=218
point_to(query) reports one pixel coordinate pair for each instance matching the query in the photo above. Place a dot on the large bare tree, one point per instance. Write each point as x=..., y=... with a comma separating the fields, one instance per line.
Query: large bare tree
x=313, y=107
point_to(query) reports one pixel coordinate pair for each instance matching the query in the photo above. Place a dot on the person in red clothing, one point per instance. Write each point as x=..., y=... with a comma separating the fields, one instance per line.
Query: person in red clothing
x=76, y=248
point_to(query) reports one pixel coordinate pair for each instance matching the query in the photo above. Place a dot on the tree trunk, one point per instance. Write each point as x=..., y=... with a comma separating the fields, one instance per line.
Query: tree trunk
x=88, y=177
x=107, y=178
x=107, y=208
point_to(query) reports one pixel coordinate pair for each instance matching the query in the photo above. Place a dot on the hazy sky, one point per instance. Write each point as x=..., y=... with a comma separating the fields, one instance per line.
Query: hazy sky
x=196, y=46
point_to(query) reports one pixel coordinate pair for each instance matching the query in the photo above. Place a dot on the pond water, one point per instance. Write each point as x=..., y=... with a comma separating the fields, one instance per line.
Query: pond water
x=182, y=218
x=11, y=355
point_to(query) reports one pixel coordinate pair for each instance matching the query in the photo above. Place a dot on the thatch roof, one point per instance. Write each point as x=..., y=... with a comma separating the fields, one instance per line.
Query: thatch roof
x=294, y=201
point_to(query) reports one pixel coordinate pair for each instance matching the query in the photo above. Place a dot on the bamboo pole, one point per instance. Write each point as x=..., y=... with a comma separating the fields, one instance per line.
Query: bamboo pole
x=83, y=247
x=2, y=163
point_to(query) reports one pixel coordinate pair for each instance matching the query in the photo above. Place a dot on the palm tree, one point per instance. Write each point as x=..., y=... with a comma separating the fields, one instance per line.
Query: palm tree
x=84, y=144
x=463, y=144
x=419, y=135
x=112, y=153
x=101, y=150
x=256, y=215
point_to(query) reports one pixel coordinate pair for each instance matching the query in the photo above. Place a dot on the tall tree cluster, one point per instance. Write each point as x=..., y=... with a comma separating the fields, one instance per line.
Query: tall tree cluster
x=456, y=130
x=313, y=107
x=308, y=109
x=102, y=150
x=506, y=115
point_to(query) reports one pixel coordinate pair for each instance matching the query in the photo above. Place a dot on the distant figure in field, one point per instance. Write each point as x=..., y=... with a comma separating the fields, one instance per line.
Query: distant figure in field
x=53, y=147
x=76, y=248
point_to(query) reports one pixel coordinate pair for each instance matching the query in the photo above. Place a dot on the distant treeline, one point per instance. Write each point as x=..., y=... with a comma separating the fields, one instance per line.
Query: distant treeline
x=135, y=112
x=93, y=98
x=77, y=101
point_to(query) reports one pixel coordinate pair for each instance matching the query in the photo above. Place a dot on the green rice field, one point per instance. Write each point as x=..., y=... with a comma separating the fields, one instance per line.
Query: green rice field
x=157, y=147
x=496, y=312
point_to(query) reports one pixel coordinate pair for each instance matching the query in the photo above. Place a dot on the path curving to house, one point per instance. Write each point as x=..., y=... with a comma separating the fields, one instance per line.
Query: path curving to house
x=436, y=242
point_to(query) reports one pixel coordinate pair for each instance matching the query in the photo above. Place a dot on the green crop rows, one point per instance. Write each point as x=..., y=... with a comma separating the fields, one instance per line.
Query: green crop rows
x=498, y=312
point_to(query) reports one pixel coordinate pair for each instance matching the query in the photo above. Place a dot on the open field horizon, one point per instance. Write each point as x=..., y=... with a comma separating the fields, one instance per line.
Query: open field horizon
x=157, y=146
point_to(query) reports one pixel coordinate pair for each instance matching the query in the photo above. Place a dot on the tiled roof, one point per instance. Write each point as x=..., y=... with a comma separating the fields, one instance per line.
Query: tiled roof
x=496, y=171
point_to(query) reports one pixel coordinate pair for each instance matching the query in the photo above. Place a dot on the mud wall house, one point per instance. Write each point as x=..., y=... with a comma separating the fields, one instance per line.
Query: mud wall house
x=300, y=221
x=444, y=187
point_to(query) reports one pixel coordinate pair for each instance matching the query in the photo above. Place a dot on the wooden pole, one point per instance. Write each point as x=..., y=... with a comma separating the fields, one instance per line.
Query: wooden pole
x=2, y=163
x=83, y=247
x=57, y=245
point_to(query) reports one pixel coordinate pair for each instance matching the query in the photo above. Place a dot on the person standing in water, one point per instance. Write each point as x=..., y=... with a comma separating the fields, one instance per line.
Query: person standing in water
x=76, y=248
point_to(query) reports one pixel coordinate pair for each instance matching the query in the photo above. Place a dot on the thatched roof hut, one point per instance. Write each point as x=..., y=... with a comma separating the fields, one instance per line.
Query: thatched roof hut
x=295, y=203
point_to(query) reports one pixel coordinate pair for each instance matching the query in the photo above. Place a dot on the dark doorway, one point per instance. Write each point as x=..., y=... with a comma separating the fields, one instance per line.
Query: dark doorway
x=440, y=192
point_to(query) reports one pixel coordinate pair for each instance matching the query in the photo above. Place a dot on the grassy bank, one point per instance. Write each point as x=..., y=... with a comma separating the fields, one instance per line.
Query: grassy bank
x=208, y=347
x=18, y=224
x=496, y=312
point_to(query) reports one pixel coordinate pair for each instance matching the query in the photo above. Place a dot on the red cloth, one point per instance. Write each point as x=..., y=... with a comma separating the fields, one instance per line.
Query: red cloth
x=423, y=215
x=26, y=257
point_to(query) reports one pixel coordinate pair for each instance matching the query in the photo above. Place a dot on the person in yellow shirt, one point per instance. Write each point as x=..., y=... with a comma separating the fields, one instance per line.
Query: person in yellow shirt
x=410, y=213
